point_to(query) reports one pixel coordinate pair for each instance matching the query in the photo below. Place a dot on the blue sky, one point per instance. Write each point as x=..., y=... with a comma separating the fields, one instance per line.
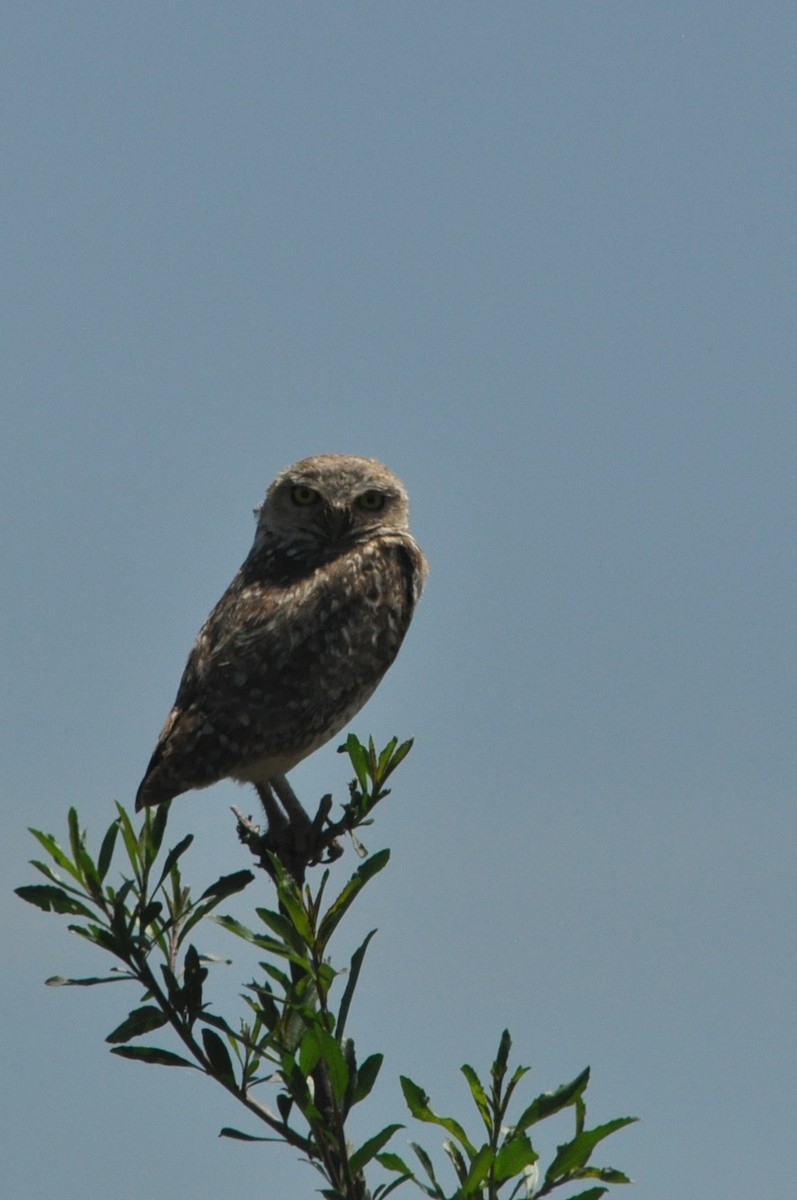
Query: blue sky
x=540, y=259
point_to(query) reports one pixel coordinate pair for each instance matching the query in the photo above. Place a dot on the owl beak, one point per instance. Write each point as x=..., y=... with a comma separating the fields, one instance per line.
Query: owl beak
x=338, y=522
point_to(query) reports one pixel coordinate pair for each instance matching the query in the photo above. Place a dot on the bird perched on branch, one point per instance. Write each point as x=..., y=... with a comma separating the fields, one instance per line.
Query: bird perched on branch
x=302, y=636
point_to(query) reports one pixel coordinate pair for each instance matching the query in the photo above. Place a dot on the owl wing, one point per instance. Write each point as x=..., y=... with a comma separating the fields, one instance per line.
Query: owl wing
x=278, y=668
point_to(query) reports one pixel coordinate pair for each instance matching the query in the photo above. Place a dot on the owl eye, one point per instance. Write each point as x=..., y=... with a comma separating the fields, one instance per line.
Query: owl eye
x=371, y=501
x=304, y=496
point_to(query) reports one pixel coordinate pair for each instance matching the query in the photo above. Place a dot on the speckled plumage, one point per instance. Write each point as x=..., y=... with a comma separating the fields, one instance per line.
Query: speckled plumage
x=302, y=636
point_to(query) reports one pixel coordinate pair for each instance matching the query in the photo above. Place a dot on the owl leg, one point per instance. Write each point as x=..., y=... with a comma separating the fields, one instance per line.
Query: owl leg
x=274, y=814
x=297, y=817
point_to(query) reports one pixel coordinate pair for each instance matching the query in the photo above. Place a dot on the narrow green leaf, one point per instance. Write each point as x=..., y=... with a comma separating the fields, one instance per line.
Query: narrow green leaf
x=243, y=1137
x=149, y=914
x=426, y=1163
x=515, y=1154
x=284, y=929
x=357, y=756
x=51, y=874
x=48, y=842
x=479, y=1167
x=75, y=836
x=309, y=1052
x=233, y=926
x=351, y=983
x=91, y=981
x=387, y=1188
x=457, y=1160
x=130, y=839
x=399, y=756
x=152, y=832
x=479, y=1095
x=173, y=989
x=219, y=1023
x=551, y=1102
x=392, y=1162
x=498, y=1069
x=140, y=1020
x=218, y=1056
x=605, y=1174
x=101, y=937
x=340, y=905
x=194, y=975
x=172, y=857
x=228, y=885
x=292, y=903
x=418, y=1104
x=590, y=1194
x=328, y=1050
x=152, y=1054
x=576, y=1153
x=371, y=1148
x=367, y=1074
x=107, y=849
x=384, y=757
x=50, y=898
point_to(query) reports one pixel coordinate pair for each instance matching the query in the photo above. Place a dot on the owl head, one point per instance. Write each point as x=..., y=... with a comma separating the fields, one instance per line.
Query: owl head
x=333, y=499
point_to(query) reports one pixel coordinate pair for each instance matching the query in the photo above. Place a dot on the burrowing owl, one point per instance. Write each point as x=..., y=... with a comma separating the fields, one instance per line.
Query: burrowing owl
x=303, y=634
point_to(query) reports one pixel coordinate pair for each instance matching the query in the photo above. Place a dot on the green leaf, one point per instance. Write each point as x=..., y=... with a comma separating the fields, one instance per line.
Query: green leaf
x=418, y=1104
x=498, y=1069
x=399, y=756
x=219, y=1023
x=590, y=1194
x=576, y=1153
x=552, y=1102
x=291, y=902
x=351, y=983
x=479, y=1095
x=50, y=898
x=233, y=926
x=386, y=1188
x=140, y=1020
x=194, y=975
x=457, y=1160
x=285, y=929
x=605, y=1174
x=517, y=1075
x=107, y=849
x=153, y=830
x=367, y=1074
x=426, y=1163
x=356, y=883
x=130, y=839
x=48, y=842
x=174, y=854
x=218, y=1056
x=515, y=1154
x=152, y=1054
x=479, y=1167
x=392, y=1162
x=357, y=755
x=384, y=758
x=371, y=1148
x=228, y=885
x=101, y=937
x=51, y=874
x=75, y=837
x=244, y=1137
x=318, y=1045
x=91, y=981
